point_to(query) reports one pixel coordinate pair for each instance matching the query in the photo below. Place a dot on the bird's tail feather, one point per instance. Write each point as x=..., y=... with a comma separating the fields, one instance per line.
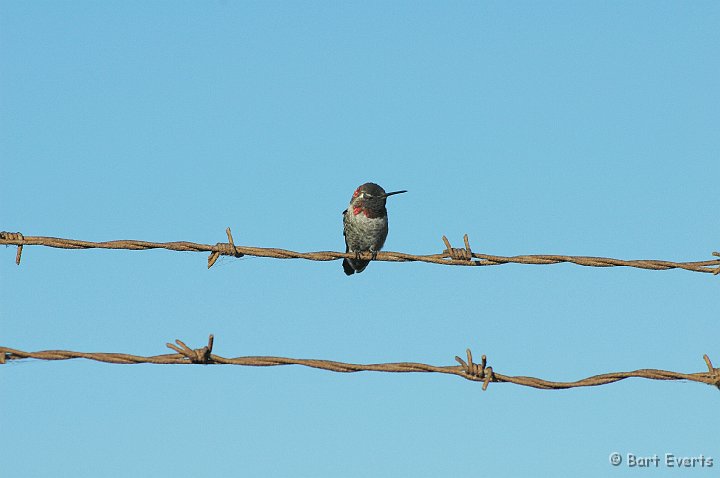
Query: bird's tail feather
x=352, y=266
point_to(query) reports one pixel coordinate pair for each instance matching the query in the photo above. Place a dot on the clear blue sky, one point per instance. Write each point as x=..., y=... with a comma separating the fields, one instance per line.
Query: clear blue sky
x=586, y=128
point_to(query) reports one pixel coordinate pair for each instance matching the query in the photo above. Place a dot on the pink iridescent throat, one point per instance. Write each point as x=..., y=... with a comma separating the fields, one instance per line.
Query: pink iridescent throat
x=357, y=210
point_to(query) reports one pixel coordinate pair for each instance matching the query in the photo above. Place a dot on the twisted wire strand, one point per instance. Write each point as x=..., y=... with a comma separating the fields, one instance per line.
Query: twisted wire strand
x=466, y=369
x=449, y=256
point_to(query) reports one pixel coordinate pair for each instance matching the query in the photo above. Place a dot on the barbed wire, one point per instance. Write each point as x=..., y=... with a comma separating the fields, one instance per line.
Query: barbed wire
x=449, y=256
x=466, y=369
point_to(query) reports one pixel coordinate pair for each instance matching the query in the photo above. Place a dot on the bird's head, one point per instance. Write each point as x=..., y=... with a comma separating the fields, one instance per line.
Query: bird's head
x=370, y=199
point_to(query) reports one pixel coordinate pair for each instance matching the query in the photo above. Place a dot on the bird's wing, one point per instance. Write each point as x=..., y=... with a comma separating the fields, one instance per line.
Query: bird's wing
x=343, y=213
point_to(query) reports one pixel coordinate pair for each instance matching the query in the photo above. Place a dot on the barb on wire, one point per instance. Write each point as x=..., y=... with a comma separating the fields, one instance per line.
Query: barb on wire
x=450, y=256
x=466, y=369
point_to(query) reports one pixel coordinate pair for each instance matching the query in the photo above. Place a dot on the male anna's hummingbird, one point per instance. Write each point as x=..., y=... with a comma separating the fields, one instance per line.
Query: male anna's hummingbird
x=365, y=224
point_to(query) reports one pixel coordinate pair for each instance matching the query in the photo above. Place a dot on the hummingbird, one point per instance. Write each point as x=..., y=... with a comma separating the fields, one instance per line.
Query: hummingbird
x=365, y=225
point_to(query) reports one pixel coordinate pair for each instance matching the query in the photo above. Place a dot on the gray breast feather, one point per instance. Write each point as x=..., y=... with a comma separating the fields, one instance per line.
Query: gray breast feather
x=363, y=233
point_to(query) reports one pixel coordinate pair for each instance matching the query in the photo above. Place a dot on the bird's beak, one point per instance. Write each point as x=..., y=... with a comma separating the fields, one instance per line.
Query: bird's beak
x=395, y=192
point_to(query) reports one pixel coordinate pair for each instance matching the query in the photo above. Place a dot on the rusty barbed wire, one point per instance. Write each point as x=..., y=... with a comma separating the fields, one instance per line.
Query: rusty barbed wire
x=449, y=256
x=466, y=369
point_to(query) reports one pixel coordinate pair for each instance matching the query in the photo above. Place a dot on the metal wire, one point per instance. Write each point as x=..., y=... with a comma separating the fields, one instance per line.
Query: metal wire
x=466, y=369
x=450, y=256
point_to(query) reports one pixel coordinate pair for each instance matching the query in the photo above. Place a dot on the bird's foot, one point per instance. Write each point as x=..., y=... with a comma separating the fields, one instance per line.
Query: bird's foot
x=374, y=254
